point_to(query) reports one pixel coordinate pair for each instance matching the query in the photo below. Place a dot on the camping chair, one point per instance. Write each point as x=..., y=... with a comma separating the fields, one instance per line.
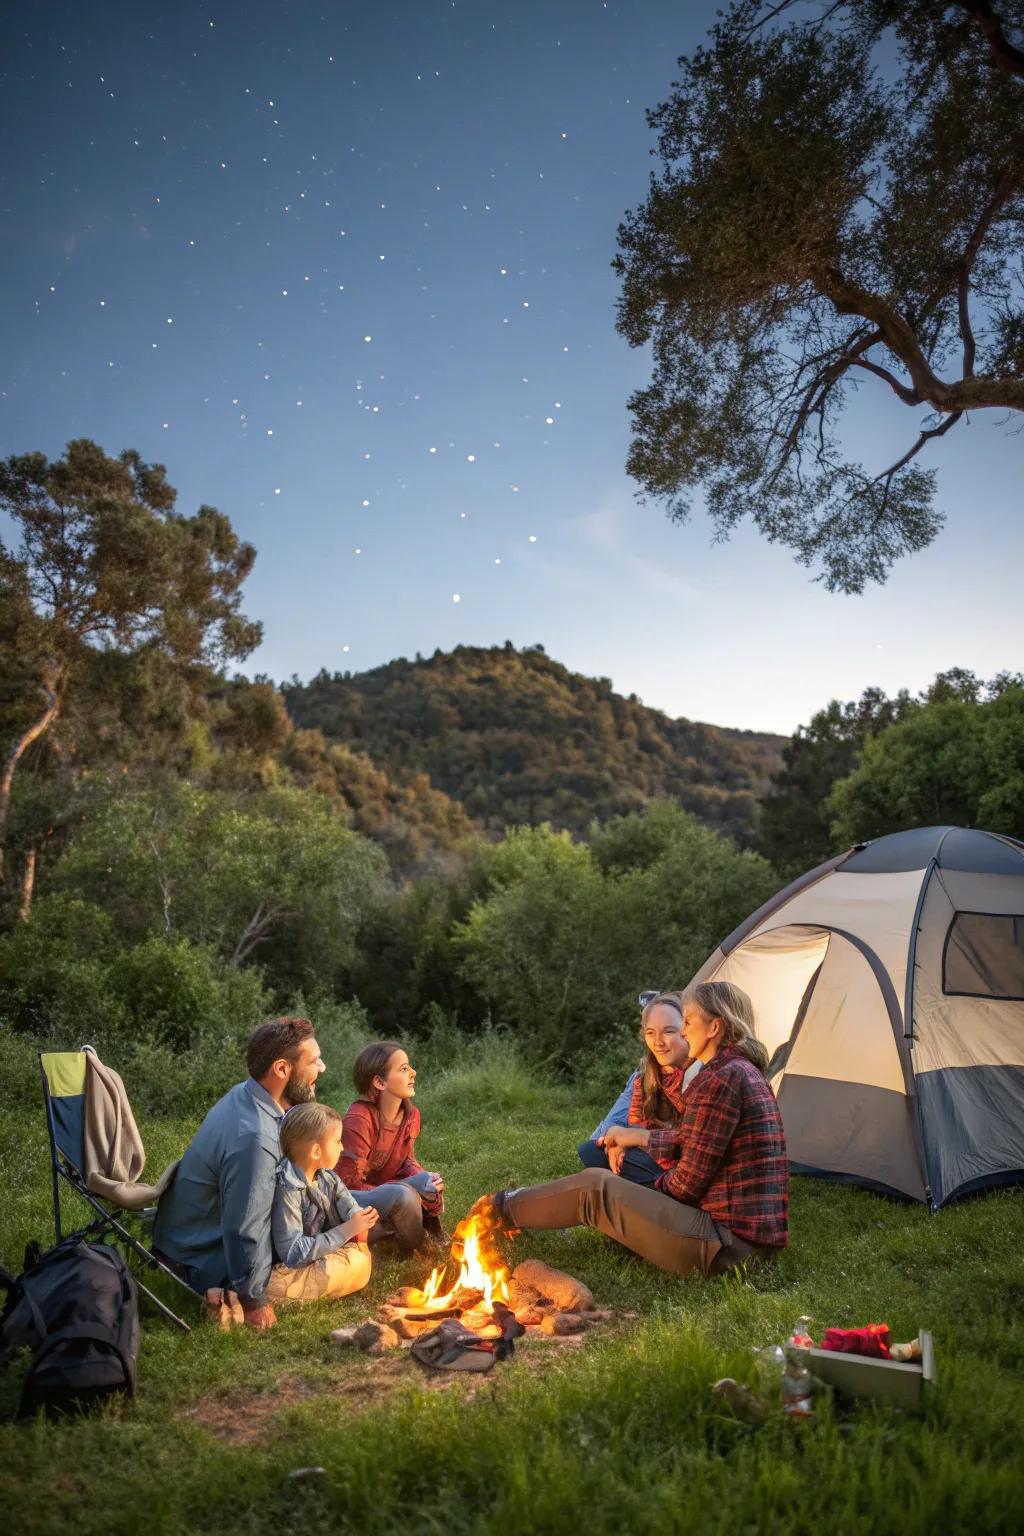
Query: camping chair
x=64, y=1093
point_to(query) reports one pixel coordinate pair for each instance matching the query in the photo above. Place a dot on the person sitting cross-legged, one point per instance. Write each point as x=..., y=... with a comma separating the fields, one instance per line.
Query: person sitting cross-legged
x=656, y=1096
x=379, y=1163
x=725, y=1200
x=319, y=1231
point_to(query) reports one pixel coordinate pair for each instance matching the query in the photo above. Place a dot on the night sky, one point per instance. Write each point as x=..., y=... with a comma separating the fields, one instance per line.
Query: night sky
x=344, y=270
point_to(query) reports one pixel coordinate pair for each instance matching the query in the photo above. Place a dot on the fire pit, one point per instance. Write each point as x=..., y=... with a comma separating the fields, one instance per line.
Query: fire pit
x=476, y=1295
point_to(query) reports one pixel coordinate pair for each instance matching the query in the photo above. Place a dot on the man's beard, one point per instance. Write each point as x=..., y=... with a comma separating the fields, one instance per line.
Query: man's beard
x=299, y=1090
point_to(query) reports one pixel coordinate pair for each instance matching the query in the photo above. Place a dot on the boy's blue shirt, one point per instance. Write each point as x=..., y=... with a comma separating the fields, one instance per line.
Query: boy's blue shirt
x=307, y=1217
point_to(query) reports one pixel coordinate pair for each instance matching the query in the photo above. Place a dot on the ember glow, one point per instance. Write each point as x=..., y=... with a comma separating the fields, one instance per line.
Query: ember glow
x=480, y=1273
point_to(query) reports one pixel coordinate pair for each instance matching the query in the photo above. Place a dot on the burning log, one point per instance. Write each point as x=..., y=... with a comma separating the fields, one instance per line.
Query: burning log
x=533, y=1282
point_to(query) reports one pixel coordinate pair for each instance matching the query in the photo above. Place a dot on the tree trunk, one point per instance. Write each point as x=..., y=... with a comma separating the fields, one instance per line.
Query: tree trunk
x=28, y=884
x=52, y=694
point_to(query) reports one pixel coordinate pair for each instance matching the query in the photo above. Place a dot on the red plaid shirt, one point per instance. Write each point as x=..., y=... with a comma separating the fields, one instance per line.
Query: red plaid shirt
x=672, y=1088
x=731, y=1150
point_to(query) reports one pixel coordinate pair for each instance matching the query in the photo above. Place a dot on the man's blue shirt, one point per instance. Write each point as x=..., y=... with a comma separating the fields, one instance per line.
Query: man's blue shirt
x=215, y=1218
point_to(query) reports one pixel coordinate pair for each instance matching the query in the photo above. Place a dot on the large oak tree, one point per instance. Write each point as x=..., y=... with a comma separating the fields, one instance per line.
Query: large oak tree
x=840, y=205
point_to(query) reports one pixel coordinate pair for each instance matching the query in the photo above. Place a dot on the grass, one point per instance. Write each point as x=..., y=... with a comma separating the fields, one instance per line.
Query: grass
x=619, y=1434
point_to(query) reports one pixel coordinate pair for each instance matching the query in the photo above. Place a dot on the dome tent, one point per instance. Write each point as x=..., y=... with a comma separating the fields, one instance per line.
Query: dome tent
x=888, y=984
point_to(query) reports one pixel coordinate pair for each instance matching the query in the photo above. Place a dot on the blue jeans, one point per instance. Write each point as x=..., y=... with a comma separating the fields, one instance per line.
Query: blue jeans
x=400, y=1209
x=638, y=1166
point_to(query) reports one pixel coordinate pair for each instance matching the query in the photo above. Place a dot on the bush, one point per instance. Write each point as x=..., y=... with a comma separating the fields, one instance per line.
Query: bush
x=179, y=994
x=54, y=980
x=566, y=935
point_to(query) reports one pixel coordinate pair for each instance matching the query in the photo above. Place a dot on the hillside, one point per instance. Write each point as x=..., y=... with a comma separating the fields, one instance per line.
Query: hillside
x=515, y=737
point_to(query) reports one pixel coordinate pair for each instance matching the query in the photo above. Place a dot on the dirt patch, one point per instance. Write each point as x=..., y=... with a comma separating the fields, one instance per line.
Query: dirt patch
x=245, y=1417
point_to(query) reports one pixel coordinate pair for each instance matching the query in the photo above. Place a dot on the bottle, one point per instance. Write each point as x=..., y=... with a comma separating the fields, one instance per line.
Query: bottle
x=797, y=1385
x=771, y=1365
x=800, y=1338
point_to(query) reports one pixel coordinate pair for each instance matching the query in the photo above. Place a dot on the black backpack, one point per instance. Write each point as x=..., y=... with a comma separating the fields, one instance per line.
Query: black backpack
x=77, y=1308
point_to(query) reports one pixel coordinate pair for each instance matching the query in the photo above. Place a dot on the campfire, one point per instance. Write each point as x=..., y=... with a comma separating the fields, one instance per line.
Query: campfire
x=471, y=1283
x=472, y=1306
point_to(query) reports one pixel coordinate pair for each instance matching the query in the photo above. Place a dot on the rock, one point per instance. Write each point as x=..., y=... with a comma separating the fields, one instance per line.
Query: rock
x=567, y=1293
x=744, y=1403
x=375, y=1338
x=561, y=1323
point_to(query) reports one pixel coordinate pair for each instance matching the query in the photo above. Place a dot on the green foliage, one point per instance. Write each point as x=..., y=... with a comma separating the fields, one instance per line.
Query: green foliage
x=796, y=831
x=565, y=934
x=169, y=1012
x=800, y=825
x=839, y=204
x=954, y=762
x=114, y=610
x=277, y=877
x=518, y=740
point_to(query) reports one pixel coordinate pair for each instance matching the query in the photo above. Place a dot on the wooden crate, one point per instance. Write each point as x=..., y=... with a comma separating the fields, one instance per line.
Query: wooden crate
x=890, y=1381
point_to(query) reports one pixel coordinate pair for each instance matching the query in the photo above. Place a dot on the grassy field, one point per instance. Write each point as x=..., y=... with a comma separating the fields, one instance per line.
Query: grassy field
x=620, y=1433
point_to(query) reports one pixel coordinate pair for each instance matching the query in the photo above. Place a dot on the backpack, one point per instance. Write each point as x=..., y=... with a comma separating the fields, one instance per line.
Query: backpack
x=77, y=1308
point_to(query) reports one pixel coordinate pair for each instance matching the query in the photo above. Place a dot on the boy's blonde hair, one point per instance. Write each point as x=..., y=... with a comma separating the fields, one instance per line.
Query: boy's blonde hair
x=306, y=1122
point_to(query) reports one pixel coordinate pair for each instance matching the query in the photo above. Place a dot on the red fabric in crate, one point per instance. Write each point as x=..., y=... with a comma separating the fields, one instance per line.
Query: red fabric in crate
x=872, y=1340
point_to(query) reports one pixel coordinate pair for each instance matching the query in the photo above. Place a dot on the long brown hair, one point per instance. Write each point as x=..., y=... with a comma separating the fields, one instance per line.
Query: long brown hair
x=656, y=1107
x=723, y=1000
x=372, y=1062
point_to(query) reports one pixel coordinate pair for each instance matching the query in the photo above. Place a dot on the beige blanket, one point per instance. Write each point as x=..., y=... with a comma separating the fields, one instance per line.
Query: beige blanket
x=113, y=1154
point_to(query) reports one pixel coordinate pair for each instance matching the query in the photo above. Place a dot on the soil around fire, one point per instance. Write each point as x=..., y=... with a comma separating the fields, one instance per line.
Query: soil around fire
x=356, y=1383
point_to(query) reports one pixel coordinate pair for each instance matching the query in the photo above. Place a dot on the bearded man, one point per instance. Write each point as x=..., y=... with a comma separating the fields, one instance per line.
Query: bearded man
x=213, y=1224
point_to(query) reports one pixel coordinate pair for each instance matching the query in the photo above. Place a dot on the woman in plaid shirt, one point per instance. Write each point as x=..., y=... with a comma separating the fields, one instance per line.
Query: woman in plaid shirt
x=725, y=1198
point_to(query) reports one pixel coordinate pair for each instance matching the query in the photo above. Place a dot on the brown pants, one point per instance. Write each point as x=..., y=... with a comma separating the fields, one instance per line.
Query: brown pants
x=337, y=1274
x=676, y=1237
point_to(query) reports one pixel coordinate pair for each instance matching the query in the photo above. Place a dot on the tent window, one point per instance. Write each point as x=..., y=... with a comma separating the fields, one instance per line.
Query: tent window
x=984, y=956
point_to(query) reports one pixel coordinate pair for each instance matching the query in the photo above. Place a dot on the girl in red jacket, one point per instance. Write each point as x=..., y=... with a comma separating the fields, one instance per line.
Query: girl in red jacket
x=378, y=1164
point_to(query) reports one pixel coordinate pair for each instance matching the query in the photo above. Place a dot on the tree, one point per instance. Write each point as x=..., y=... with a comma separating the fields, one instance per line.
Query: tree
x=950, y=762
x=276, y=877
x=106, y=569
x=840, y=203
x=796, y=831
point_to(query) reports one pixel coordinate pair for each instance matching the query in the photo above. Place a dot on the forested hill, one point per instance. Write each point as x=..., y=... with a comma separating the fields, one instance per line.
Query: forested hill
x=518, y=738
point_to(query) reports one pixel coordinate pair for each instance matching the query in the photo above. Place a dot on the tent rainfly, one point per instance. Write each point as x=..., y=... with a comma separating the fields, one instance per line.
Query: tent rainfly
x=888, y=984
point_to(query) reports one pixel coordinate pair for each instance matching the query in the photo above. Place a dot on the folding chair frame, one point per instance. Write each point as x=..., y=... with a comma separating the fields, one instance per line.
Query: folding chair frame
x=62, y=1167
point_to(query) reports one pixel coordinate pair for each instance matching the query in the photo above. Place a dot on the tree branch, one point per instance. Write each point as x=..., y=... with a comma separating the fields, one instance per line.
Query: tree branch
x=52, y=692
x=815, y=396
x=256, y=930
x=1003, y=54
x=908, y=396
x=974, y=393
x=911, y=453
x=1006, y=184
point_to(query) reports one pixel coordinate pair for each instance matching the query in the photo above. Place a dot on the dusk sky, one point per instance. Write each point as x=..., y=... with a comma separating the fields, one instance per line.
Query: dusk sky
x=344, y=269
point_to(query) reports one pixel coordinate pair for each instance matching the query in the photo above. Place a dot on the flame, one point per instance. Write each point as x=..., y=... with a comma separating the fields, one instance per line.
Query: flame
x=477, y=1271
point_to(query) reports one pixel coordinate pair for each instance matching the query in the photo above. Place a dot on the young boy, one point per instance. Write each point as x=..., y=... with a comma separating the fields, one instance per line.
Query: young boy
x=319, y=1231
